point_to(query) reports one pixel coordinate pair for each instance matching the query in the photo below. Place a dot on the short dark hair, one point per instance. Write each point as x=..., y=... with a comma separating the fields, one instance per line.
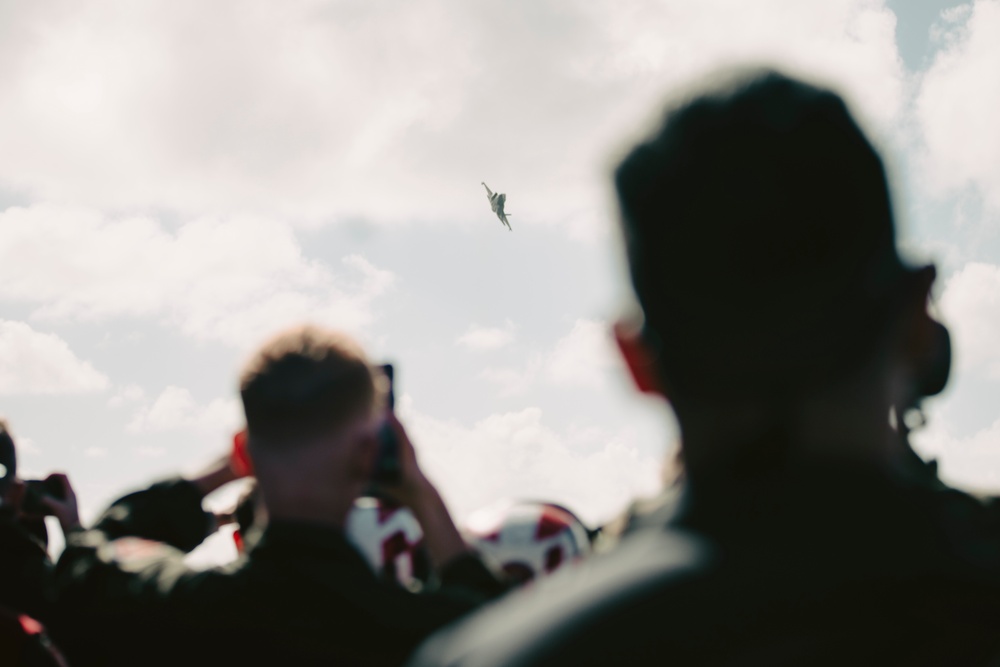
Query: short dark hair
x=8, y=457
x=305, y=382
x=760, y=239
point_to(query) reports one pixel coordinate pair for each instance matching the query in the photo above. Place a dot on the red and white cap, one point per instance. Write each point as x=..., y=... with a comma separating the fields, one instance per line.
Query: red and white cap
x=528, y=539
x=390, y=539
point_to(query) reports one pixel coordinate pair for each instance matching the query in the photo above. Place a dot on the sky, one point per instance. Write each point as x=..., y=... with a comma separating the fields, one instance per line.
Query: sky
x=180, y=179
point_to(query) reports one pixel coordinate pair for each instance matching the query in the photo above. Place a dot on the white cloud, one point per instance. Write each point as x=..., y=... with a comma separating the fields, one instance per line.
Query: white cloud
x=848, y=42
x=582, y=358
x=175, y=409
x=970, y=306
x=150, y=452
x=514, y=380
x=487, y=338
x=27, y=446
x=316, y=110
x=130, y=393
x=230, y=279
x=959, y=100
x=515, y=455
x=32, y=362
x=95, y=452
x=972, y=462
x=30, y=458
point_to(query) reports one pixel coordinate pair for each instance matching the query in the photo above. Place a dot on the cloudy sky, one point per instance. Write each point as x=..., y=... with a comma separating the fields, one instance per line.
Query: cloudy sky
x=178, y=179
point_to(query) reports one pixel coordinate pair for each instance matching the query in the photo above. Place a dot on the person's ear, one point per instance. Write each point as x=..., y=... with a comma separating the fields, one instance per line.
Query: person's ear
x=639, y=358
x=240, y=460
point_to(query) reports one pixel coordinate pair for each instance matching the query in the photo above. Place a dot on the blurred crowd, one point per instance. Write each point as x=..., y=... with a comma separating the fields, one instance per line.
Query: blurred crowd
x=779, y=323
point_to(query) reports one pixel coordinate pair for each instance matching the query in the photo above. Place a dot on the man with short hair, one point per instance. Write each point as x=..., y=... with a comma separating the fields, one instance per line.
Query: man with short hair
x=302, y=594
x=785, y=332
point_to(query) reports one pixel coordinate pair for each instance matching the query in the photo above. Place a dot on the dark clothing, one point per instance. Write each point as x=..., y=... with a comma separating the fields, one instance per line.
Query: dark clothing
x=829, y=567
x=24, y=642
x=301, y=596
x=25, y=571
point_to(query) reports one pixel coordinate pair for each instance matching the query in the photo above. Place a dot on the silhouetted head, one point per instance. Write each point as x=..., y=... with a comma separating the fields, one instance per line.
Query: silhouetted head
x=760, y=240
x=305, y=382
x=313, y=403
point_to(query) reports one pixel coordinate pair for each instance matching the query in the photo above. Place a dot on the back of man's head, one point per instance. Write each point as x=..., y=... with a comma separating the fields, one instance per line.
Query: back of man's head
x=305, y=383
x=760, y=240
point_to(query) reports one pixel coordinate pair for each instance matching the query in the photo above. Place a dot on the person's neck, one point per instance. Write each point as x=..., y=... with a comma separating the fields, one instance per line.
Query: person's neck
x=326, y=505
x=822, y=429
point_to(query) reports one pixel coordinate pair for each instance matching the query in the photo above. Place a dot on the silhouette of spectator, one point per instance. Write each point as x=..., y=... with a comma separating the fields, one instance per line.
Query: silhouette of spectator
x=784, y=330
x=301, y=594
x=26, y=576
x=25, y=568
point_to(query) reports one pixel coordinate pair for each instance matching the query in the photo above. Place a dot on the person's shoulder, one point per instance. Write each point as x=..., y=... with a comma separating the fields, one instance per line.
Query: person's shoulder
x=18, y=541
x=581, y=608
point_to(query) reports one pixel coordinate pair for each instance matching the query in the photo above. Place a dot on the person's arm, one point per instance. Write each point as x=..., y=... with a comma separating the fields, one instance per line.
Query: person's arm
x=441, y=536
x=126, y=594
x=169, y=511
x=458, y=566
x=66, y=510
x=128, y=571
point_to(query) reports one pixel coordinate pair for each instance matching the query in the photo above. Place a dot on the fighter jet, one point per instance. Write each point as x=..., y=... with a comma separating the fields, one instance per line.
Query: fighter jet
x=497, y=200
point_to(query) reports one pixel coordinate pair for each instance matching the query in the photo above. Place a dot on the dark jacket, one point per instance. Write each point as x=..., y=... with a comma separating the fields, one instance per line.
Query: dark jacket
x=804, y=567
x=25, y=570
x=302, y=595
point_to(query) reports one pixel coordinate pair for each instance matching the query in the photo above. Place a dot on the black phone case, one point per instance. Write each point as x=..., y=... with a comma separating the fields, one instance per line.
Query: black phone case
x=387, y=467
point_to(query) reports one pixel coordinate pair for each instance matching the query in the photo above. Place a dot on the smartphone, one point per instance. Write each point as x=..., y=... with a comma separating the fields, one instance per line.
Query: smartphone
x=35, y=490
x=388, y=470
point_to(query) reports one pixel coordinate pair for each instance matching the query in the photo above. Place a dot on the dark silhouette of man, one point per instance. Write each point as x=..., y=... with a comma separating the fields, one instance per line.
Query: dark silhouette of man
x=789, y=339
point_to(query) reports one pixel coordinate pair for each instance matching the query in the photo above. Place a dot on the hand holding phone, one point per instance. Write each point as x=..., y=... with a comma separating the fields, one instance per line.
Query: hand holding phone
x=388, y=470
x=37, y=489
x=52, y=496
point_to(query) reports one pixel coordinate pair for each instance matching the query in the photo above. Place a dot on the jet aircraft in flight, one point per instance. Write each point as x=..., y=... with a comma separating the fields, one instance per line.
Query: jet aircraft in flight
x=497, y=200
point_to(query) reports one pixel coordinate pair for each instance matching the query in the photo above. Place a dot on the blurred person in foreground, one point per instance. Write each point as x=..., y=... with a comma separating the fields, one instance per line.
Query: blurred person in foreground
x=301, y=594
x=25, y=568
x=785, y=331
x=26, y=571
